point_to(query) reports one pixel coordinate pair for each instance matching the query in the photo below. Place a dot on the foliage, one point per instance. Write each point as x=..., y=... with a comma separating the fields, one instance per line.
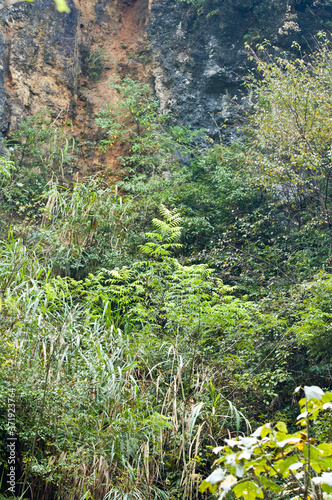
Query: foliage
x=151, y=149
x=93, y=62
x=290, y=135
x=81, y=227
x=134, y=340
x=104, y=403
x=39, y=149
x=6, y=167
x=315, y=315
x=167, y=232
x=133, y=120
x=194, y=3
x=272, y=460
x=281, y=234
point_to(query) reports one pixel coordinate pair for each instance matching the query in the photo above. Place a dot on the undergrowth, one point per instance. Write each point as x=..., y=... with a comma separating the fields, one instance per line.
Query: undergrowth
x=142, y=324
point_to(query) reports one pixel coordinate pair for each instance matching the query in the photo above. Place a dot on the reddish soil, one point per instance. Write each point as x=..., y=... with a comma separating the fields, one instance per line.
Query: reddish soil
x=125, y=49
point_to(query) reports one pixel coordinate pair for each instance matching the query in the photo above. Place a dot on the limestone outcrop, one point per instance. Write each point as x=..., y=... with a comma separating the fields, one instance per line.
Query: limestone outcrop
x=194, y=58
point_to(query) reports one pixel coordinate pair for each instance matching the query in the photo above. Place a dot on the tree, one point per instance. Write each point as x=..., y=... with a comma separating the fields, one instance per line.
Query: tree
x=290, y=134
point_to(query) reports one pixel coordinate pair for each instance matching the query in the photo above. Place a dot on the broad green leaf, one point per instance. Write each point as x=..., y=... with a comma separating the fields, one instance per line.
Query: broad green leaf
x=262, y=431
x=326, y=488
x=281, y=426
x=314, y=452
x=282, y=466
x=327, y=397
x=315, y=465
x=205, y=485
x=281, y=435
x=325, y=449
x=326, y=463
x=261, y=466
x=270, y=484
x=249, y=490
x=266, y=431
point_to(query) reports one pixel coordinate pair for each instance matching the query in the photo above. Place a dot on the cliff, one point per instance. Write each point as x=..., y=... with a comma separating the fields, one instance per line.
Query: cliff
x=194, y=58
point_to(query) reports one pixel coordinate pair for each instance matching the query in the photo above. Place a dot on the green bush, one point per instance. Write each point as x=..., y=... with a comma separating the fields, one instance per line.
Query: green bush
x=271, y=460
x=39, y=150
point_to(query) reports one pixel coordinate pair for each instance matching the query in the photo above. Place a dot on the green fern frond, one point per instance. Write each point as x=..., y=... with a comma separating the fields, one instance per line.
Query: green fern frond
x=166, y=234
x=154, y=236
x=172, y=217
x=123, y=274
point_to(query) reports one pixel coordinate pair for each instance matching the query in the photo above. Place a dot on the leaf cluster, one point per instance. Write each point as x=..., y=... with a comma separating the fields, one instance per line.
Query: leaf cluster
x=271, y=459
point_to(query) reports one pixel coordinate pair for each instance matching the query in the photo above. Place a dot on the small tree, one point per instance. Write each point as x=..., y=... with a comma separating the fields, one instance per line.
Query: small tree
x=291, y=135
x=146, y=137
x=133, y=122
x=271, y=460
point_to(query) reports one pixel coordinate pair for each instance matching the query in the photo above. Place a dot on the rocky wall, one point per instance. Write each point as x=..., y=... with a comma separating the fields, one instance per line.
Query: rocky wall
x=194, y=57
x=40, y=62
x=200, y=58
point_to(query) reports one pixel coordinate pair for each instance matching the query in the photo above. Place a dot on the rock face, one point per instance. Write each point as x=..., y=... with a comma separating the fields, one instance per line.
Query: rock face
x=40, y=61
x=195, y=58
x=201, y=57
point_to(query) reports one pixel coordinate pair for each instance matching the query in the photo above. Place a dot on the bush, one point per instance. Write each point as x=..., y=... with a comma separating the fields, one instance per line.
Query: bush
x=39, y=150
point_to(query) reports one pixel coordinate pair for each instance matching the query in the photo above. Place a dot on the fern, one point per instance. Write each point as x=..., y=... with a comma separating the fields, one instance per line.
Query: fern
x=167, y=233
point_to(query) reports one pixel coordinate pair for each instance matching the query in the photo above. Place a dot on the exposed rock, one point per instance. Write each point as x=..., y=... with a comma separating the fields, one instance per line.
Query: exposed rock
x=198, y=65
x=40, y=60
x=200, y=61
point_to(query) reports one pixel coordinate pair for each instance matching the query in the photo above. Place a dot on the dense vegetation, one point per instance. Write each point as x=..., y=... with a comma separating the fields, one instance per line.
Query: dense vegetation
x=142, y=324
